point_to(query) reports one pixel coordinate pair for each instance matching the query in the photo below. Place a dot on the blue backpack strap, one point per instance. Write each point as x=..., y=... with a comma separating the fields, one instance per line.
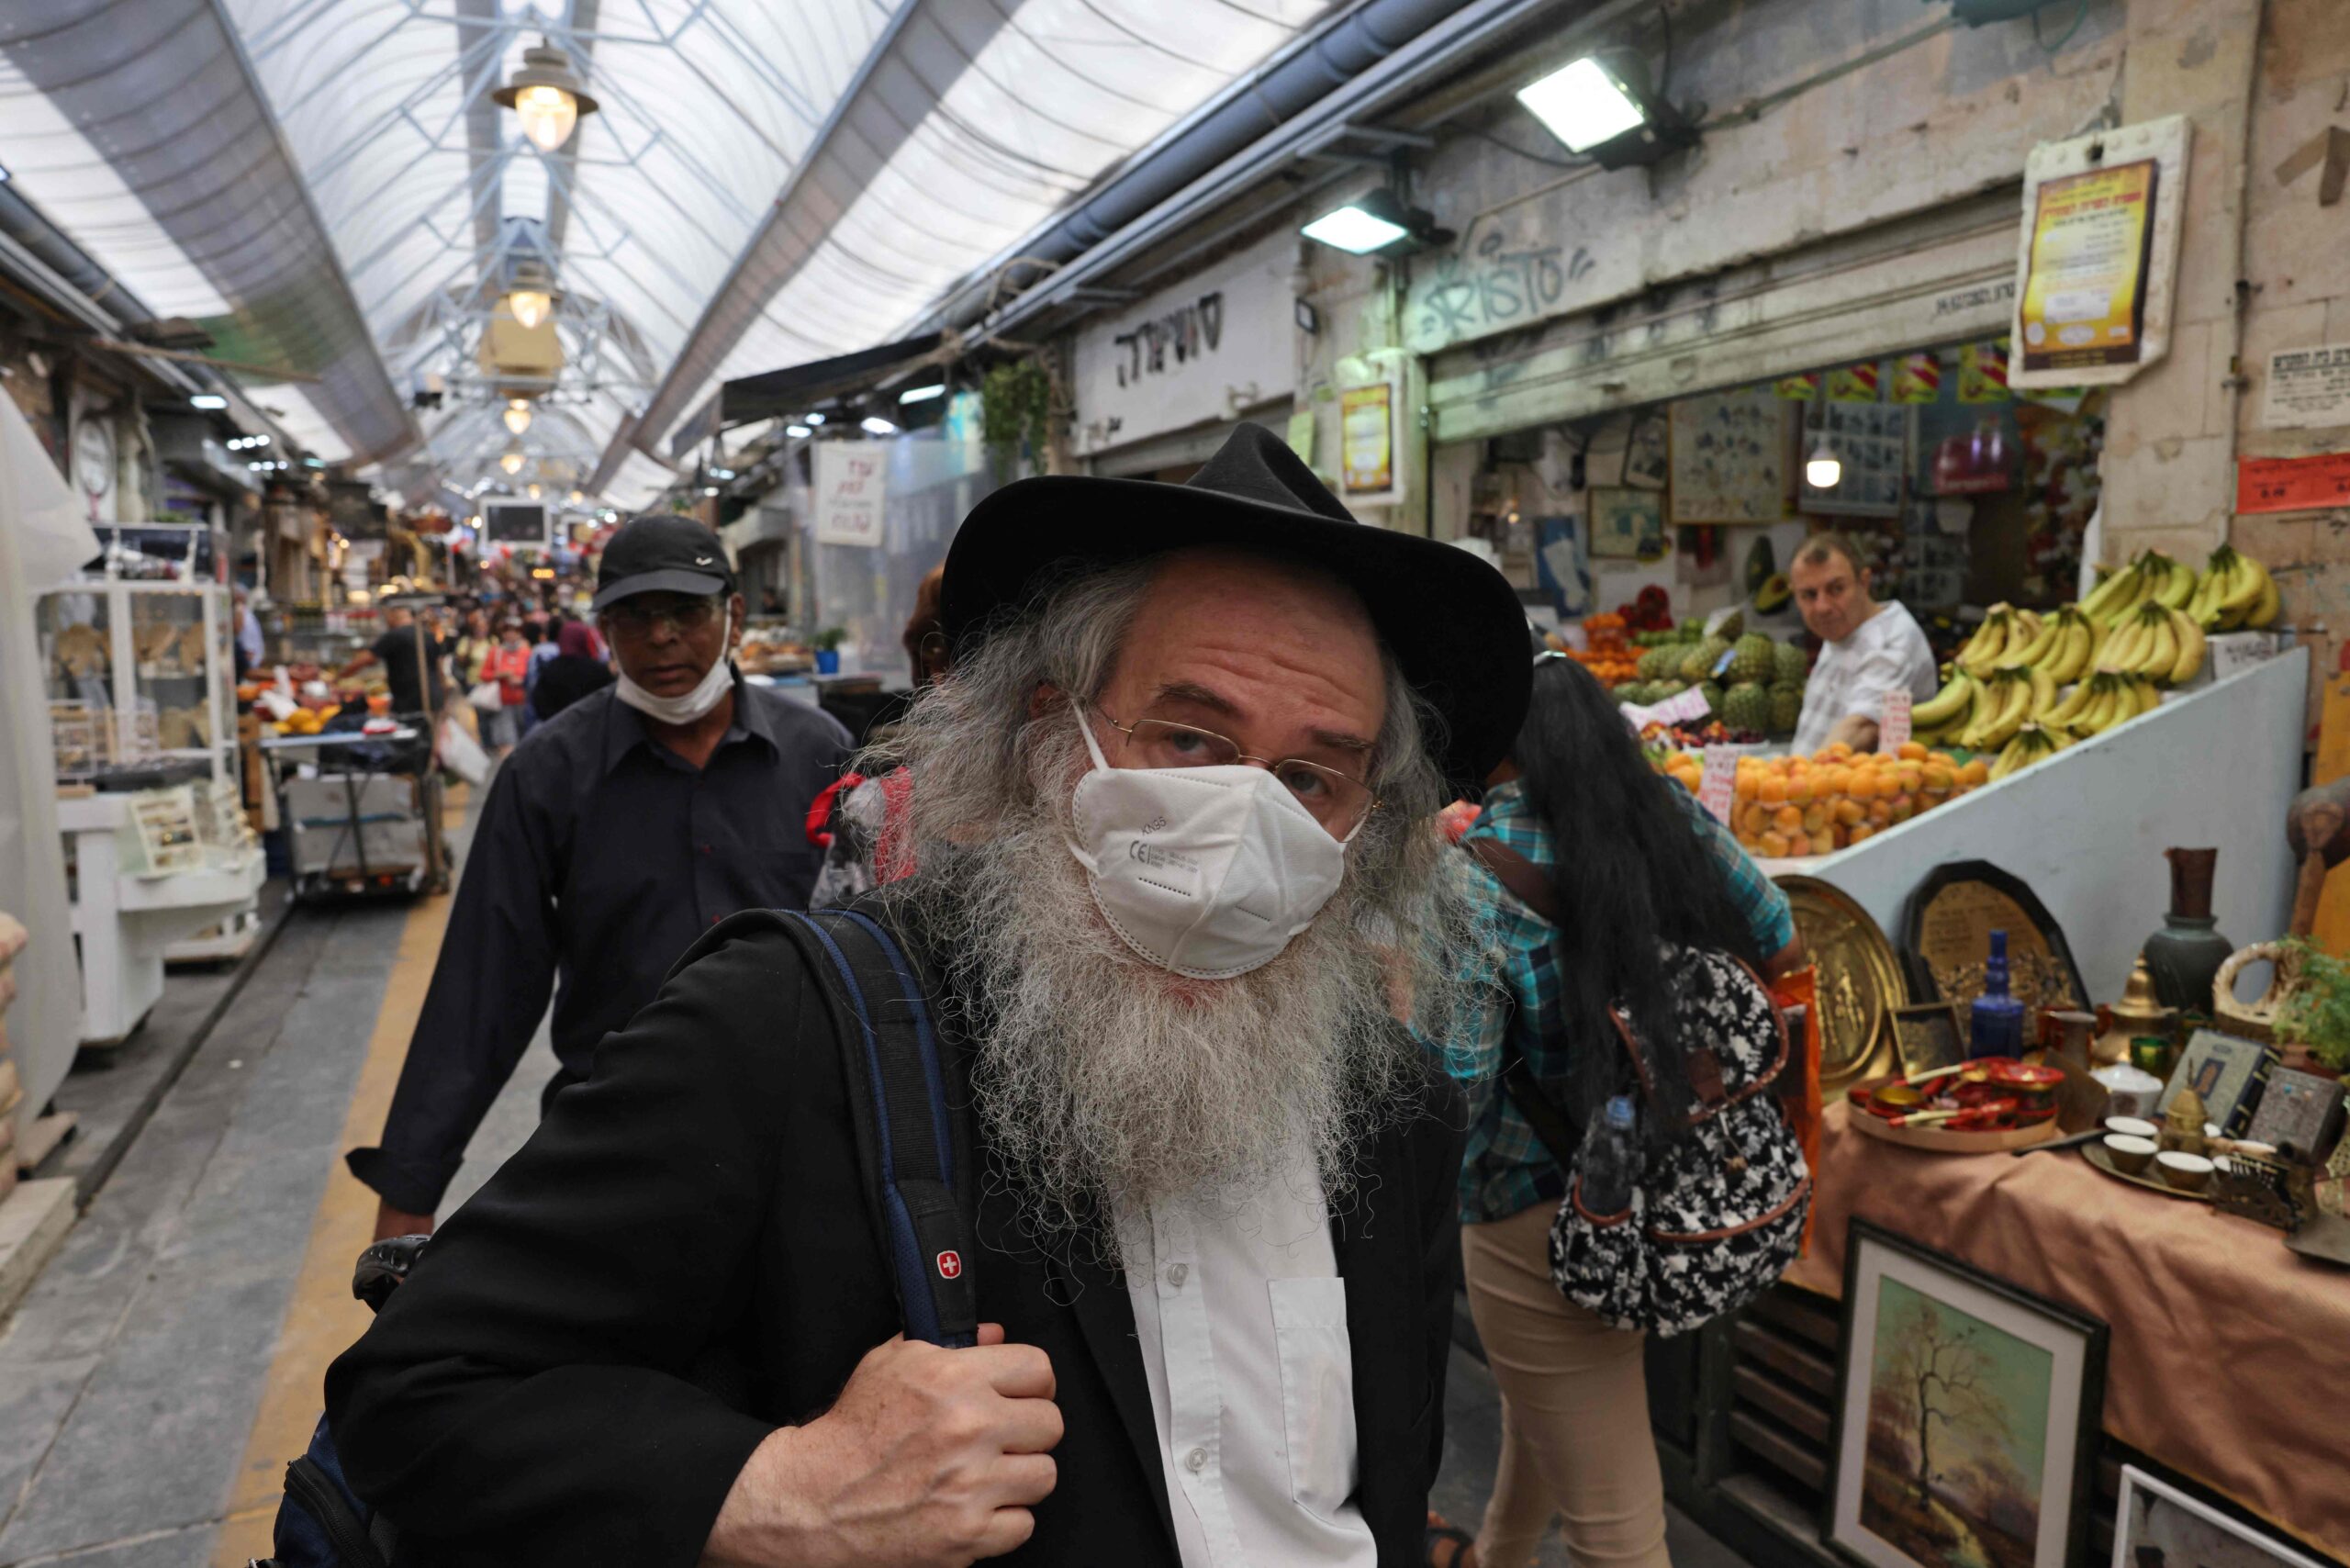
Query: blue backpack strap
x=897, y=1090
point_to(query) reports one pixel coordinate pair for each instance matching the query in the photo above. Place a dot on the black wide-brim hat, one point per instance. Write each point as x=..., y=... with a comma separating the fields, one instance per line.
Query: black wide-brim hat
x=1453, y=623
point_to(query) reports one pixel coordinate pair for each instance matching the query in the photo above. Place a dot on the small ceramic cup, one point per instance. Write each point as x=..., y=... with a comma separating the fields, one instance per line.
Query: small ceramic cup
x=2131, y=1126
x=2128, y=1153
x=2187, y=1172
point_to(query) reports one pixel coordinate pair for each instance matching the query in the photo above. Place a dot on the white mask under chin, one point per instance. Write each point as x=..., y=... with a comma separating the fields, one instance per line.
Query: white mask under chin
x=682, y=710
x=1207, y=872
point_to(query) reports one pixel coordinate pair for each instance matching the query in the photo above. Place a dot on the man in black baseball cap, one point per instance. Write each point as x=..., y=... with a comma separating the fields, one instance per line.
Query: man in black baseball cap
x=617, y=833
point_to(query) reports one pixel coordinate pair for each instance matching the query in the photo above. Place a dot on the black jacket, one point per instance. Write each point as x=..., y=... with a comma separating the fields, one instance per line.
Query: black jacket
x=682, y=1259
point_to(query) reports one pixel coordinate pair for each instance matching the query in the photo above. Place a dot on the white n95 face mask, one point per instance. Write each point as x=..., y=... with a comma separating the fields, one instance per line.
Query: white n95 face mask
x=1208, y=872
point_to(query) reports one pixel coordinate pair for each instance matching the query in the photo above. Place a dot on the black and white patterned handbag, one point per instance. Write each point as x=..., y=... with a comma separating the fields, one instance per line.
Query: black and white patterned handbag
x=1720, y=1215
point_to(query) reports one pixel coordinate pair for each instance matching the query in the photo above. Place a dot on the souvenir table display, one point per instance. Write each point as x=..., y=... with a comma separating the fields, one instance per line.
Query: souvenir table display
x=2220, y=1358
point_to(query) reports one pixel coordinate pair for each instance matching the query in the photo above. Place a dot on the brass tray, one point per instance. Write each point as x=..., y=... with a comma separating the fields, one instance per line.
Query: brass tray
x=2095, y=1153
x=1860, y=982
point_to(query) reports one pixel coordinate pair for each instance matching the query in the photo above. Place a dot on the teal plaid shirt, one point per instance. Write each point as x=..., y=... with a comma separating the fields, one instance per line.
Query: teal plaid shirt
x=1503, y=1168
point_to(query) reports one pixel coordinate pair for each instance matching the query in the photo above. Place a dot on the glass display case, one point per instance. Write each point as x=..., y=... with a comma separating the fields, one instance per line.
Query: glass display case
x=137, y=671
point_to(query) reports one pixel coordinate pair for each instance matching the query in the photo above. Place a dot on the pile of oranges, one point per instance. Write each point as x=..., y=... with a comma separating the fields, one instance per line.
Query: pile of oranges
x=1814, y=805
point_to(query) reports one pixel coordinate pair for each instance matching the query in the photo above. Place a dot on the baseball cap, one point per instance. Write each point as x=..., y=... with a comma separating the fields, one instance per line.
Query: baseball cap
x=662, y=552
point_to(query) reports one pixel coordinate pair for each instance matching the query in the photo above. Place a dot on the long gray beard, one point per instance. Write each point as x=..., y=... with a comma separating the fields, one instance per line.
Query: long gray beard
x=1103, y=1082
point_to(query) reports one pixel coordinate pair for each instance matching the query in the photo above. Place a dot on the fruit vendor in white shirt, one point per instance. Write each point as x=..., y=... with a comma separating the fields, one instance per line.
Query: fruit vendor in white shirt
x=1868, y=649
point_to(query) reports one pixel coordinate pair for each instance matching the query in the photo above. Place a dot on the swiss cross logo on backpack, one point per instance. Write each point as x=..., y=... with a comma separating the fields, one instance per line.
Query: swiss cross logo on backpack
x=950, y=1265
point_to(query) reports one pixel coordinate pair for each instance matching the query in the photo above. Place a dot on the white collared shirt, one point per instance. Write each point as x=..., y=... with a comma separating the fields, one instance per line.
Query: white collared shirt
x=1888, y=652
x=1242, y=1323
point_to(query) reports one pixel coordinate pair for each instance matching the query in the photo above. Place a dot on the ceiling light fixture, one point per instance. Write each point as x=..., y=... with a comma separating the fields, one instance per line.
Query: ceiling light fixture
x=876, y=425
x=518, y=414
x=721, y=473
x=1607, y=114
x=207, y=400
x=530, y=292
x=511, y=462
x=577, y=496
x=815, y=418
x=922, y=394
x=548, y=96
x=797, y=432
x=1377, y=223
x=1823, y=470
x=709, y=490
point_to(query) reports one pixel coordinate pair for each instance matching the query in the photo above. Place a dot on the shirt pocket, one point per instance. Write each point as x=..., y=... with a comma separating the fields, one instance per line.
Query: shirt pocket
x=1318, y=1390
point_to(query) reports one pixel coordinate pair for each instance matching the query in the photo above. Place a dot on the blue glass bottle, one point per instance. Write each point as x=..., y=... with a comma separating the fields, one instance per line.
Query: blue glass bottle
x=1998, y=1025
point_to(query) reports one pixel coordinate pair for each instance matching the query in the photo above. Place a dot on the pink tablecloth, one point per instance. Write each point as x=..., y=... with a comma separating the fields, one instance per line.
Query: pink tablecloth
x=2230, y=1356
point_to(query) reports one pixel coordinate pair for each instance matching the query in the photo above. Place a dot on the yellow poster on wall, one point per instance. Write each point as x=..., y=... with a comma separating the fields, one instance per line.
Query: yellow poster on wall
x=1366, y=438
x=1853, y=383
x=1799, y=389
x=1983, y=372
x=2085, y=293
x=1917, y=378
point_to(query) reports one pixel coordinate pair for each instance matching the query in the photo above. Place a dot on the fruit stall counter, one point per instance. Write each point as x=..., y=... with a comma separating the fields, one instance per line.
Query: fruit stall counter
x=2086, y=828
x=2224, y=1360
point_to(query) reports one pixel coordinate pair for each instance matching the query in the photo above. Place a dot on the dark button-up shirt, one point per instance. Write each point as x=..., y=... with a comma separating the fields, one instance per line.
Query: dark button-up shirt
x=599, y=857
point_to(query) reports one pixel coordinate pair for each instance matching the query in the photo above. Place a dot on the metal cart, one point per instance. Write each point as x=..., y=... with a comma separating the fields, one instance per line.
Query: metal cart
x=366, y=820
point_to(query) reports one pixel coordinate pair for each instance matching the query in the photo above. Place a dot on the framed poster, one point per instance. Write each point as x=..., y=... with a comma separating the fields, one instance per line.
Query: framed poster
x=1367, y=439
x=1925, y=1037
x=2083, y=297
x=2098, y=254
x=1628, y=524
x=1966, y=1415
x=1729, y=457
x=2226, y=1072
x=2157, y=1526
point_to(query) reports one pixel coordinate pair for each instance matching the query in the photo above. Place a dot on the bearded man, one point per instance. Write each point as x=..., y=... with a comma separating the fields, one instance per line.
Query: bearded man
x=1171, y=823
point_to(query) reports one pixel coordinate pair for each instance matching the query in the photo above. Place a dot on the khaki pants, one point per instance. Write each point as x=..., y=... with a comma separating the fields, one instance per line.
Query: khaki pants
x=1575, y=1436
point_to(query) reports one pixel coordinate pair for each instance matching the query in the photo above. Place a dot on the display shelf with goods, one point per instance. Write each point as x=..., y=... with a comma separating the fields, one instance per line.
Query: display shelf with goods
x=124, y=650
x=144, y=876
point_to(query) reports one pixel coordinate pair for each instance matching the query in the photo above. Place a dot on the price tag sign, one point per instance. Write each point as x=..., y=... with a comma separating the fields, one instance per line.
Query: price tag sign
x=2234, y=651
x=1718, y=785
x=1684, y=708
x=1893, y=732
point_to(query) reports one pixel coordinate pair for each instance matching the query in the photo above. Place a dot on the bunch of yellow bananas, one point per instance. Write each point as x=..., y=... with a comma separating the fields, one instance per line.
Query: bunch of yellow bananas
x=2157, y=642
x=2034, y=742
x=2103, y=700
x=2236, y=592
x=2152, y=578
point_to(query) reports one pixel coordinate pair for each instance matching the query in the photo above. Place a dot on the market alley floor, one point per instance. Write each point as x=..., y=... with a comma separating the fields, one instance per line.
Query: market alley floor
x=167, y=1364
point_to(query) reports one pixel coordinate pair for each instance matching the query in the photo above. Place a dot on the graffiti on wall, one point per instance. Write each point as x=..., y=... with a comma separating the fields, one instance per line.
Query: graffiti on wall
x=1496, y=283
x=1182, y=334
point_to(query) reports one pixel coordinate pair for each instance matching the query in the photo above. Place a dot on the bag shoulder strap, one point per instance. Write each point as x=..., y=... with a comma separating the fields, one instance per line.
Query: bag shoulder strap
x=905, y=1133
x=1526, y=882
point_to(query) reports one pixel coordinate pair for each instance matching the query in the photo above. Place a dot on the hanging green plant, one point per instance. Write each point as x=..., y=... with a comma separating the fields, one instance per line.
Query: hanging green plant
x=1015, y=410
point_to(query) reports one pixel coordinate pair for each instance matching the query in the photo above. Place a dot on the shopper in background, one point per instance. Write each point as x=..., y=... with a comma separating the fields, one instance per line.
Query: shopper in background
x=249, y=644
x=860, y=823
x=629, y=824
x=1867, y=649
x=1632, y=862
x=507, y=664
x=407, y=659
x=572, y=674
x=473, y=645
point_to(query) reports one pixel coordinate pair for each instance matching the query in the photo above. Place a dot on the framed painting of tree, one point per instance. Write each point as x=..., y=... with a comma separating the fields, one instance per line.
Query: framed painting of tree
x=1967, y=1418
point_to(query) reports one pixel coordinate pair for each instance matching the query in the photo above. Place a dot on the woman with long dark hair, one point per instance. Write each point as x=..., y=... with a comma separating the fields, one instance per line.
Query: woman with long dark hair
x=1615, y=862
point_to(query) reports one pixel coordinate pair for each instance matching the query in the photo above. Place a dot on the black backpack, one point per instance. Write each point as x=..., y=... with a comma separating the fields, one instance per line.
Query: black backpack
x=917, y=1178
